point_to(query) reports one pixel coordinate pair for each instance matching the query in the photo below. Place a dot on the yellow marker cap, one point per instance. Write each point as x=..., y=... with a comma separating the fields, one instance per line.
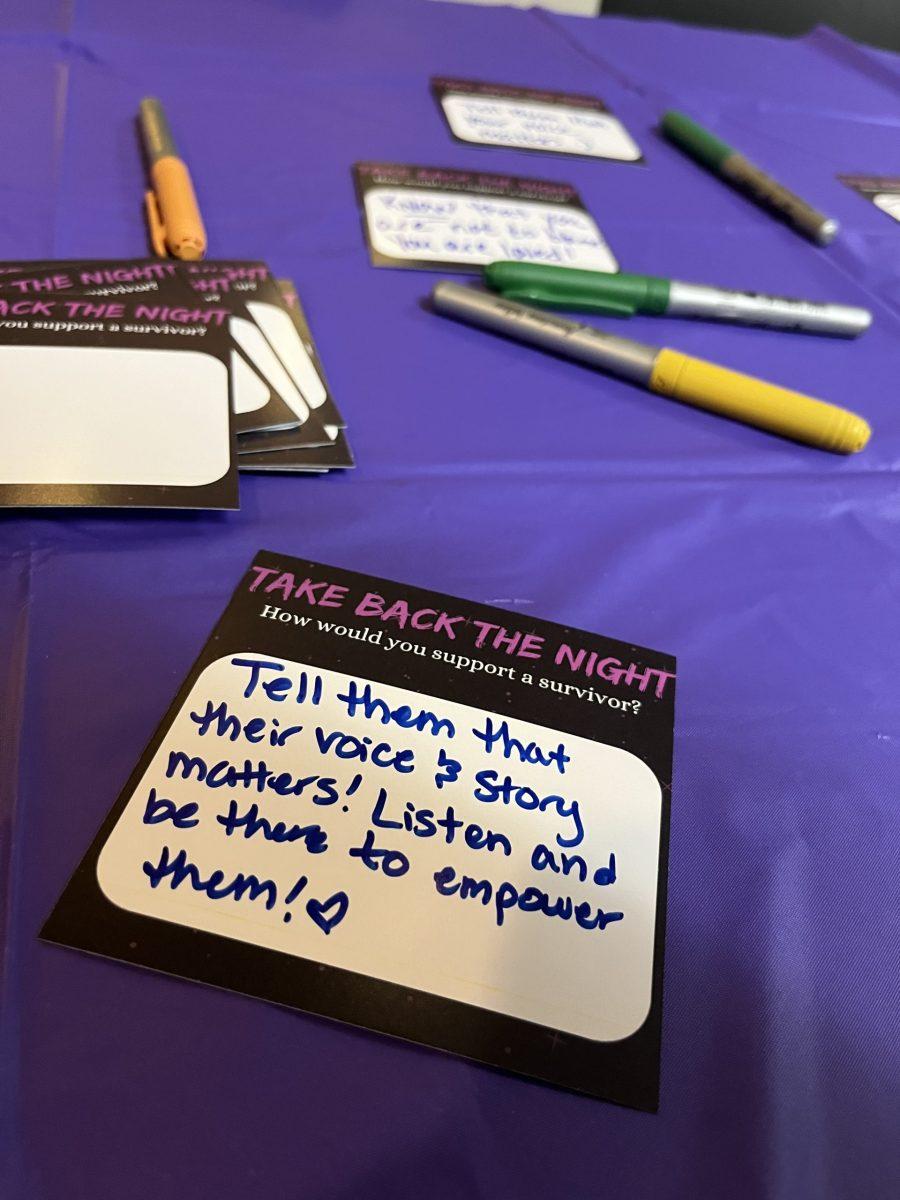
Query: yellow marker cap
x=743, y=398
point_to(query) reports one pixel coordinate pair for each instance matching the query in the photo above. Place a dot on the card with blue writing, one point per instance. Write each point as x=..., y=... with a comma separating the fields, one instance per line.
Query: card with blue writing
x=432, y=218
x=417, y=814
x=498, y=114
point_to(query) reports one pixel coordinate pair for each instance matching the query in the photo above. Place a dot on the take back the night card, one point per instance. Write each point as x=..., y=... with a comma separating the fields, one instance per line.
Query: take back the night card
x=498, y=114
x=430, y=218
x=421, y=815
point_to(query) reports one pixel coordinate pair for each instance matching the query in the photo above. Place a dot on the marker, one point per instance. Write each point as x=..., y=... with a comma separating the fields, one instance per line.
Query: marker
x=712, y=152
x=173, y=215
x=621, y=295
x=691, y=380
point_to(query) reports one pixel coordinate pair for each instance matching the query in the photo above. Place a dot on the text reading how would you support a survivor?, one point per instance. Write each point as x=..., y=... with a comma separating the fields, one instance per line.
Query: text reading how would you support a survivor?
x=488, y=636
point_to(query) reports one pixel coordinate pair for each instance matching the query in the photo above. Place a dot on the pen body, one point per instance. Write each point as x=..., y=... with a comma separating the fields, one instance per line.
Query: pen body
x=621, y=294
x=718, y=156
x=173, y=213
x=767, y=191
x=754, y=308
x=179, y=213
x=621, y=356
x=668, y=372
x=754, y=402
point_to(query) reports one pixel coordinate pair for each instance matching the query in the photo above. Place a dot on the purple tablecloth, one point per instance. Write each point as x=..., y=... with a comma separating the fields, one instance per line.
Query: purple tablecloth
x=495, y=473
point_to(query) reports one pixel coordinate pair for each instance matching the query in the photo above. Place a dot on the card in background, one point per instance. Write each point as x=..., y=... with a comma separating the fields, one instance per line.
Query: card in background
x=882, y=190
x=252, y=284
x=415, y=813
x=492, y=114
x=213, y=281
x=307, y=436
x=93, y=277
x=434, y=218
x=329, y=412
x=313, y=433
x=114, y=402
x=336, y=454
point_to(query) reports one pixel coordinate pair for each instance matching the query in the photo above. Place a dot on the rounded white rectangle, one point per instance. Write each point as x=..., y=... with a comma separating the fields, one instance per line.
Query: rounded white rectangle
x=537, y=125
x=464, y=227
x=549, y=969
x=250, y=391
x=251, y=340
x=282, y=336
x=888, y=202
x=112, y=415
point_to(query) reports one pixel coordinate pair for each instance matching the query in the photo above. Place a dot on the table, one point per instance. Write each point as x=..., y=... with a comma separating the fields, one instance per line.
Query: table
x=495, y=473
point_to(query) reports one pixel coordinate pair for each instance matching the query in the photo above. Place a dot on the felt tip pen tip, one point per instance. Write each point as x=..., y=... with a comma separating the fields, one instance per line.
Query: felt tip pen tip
x=828, y=231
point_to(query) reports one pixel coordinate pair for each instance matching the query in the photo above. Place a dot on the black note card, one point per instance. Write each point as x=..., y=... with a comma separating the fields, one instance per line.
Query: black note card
x=418, y=814
x=120, y=400
x=441, y=218
x=527, y=118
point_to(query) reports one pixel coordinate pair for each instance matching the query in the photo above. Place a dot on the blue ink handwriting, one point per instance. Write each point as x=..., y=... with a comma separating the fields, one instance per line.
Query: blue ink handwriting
x=391, y=862
x=372, y=707
x=225, y=724
x=526, y=753
x=422, y=823
x=381, y=754
x=507, y=896
x=314, y=836
x=492, y=788
x=251, y=775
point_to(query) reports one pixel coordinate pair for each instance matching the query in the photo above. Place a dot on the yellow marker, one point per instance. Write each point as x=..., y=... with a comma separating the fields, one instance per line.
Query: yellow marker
x=744, y=398
x=668, y=372
x=173, y=215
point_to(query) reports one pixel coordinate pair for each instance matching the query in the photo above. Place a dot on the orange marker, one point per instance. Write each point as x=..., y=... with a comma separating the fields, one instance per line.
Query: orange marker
x=173, y=215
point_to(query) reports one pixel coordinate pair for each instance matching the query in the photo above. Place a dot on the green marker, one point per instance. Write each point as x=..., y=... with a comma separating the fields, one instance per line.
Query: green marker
x=621, y=295
x=724, y=160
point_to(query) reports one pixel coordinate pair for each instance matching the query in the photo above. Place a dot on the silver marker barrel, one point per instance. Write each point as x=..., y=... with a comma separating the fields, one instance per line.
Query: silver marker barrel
x=752, y=308
x=618, y=355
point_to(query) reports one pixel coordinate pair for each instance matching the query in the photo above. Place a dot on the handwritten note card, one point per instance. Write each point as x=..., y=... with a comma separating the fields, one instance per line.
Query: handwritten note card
x=410, y=812
x=430, y=218
x=491, y=114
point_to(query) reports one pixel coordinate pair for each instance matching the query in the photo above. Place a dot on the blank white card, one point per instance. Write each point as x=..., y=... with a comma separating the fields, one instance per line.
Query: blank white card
x=92, y=415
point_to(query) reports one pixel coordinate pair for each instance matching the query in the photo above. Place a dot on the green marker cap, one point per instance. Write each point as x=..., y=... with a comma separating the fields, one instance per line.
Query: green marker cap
x=568, y=288
x=695, y=140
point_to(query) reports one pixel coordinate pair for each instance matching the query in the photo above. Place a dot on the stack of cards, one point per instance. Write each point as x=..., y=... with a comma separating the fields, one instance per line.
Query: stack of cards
x=152, y=383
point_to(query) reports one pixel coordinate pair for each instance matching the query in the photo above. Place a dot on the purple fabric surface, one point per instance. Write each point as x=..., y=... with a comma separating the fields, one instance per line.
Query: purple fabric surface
x=492, y=472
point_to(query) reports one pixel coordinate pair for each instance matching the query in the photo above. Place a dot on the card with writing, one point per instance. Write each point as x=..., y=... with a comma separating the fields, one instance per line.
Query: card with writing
x=434, y=218
x=882, y=190
x=494, y=114
x=418, y=814
x=114, y=401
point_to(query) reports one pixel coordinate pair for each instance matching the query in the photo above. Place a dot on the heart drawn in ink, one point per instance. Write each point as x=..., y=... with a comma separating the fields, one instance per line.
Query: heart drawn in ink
x=328, y=913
